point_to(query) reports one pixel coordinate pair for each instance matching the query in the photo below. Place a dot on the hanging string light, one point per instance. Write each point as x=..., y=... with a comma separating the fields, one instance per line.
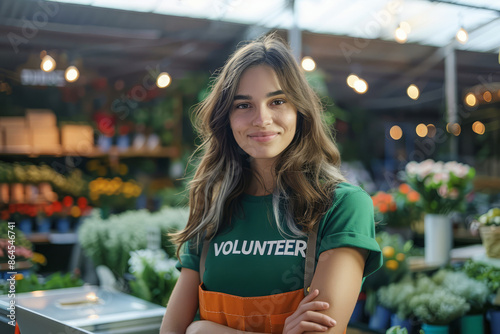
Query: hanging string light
x=308, y=64
x=395, y=132
x=71, y=74
x=351, y=80
x=360, y=86
x=413, y=92
x=401, y=35
x=470, y=99
x=462, y=36
x=48, y=63
x=163, y=80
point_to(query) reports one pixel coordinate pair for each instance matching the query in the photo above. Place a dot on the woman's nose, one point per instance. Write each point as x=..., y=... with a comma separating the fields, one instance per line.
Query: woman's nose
x=263, y=117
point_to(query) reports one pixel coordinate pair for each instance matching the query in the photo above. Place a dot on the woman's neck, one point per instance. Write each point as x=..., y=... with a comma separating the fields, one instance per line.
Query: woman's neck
x=263, y=181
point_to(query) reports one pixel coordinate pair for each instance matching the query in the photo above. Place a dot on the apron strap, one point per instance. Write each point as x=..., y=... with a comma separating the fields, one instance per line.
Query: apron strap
x=309, y=264
x=310, y=258
x=206, y=244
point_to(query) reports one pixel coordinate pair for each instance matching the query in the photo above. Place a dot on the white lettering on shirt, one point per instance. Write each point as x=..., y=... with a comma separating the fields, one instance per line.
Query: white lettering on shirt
x=301, y=246
x=235, y=251
x=280, y=245
x=272, y=243
x=227, y=250
x=246, y=252
x=256, y=247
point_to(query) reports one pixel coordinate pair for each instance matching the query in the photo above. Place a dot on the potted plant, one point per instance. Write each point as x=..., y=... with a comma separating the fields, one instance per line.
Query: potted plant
x=443, y=188
x=437, y=307
x=489, y=229
x=490, y=276
x=475, y=293
x=395, y=297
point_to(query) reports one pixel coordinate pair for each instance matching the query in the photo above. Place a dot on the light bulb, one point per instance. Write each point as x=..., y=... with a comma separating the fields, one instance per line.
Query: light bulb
x=308, y=64
x=72, y=74
x=421, y=130
x=163, y=80
x=470, y=100
x=413, y=92
x=360, y=86
x=351, y=80
x=400, y=35
x=462, y=36
x=396, y=133
x=48, y=63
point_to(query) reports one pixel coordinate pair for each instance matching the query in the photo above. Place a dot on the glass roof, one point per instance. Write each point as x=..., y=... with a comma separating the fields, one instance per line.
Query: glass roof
x=431, y=22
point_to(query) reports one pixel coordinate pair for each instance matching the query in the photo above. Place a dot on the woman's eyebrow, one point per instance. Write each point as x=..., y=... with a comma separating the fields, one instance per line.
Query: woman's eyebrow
x=248, y=97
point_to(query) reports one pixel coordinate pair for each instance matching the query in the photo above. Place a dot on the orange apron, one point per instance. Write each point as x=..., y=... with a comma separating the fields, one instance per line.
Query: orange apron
x=266, y=314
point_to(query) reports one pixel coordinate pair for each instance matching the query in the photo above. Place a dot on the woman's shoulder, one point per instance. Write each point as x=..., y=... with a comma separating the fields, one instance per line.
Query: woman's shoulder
x=346, y=191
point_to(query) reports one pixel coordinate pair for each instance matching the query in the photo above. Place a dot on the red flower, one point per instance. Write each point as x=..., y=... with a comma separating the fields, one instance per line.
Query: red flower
x=67, y=201
x=82, y=202
x=57, y=206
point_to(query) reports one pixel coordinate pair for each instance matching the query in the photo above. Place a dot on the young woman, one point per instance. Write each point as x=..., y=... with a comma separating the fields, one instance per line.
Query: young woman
x=277, y=241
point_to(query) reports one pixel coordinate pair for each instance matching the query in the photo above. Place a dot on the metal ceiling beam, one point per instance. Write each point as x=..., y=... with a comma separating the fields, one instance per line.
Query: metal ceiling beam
x=465, y=5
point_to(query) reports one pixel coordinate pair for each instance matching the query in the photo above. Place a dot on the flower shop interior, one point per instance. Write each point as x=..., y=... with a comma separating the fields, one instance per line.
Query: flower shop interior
x=96, y=136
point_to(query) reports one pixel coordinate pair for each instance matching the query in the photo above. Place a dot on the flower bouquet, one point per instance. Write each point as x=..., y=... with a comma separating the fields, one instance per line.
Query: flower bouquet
x=155, y=275
x=442, y=186
x=397, y=207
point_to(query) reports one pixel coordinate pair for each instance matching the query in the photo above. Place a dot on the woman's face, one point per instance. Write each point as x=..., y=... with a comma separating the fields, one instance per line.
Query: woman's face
x=262, y=120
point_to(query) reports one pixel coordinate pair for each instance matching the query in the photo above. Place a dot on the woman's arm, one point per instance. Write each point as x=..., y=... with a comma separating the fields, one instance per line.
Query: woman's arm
x=338, y=277
x=183, y=303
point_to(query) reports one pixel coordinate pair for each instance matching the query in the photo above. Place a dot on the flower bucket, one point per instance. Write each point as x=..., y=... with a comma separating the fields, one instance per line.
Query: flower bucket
x=380, y=319
x=491, y=240
x=43, y=225
x=403, y=323
x=433, y=329
x=494, y=317
x=25, y=226
x=438, y=239
x=472, y=324
x=63, y=225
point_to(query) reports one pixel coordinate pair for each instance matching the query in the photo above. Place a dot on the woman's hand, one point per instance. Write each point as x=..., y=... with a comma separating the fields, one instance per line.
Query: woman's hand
x=307, y=318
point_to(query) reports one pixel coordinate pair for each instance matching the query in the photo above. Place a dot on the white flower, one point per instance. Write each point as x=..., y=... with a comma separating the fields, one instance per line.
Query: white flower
x=443, y=191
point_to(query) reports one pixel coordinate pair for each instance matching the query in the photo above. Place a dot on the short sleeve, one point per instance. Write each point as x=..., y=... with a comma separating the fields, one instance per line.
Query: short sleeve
x=350, y=223
x=189, y=257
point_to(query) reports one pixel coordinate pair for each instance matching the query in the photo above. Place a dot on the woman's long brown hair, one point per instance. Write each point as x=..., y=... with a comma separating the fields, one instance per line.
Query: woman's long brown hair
x=307, y=171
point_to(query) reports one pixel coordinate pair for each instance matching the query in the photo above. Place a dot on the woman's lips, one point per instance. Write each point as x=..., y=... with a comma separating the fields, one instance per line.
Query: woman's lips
x=263, y=137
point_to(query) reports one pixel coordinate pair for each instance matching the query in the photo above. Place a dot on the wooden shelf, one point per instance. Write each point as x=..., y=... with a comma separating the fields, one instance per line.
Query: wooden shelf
x=160, y=152
x=53, y=238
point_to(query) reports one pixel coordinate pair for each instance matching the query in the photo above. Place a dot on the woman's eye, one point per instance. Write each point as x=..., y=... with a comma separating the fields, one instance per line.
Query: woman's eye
x=242, y=106
x=279, y=102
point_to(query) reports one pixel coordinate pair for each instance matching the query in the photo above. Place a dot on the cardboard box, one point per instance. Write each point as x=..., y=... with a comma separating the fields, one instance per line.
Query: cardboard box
x=17, y=139
x=12, y=121
x=77, y=139
x=44, y=118
x=45, y=140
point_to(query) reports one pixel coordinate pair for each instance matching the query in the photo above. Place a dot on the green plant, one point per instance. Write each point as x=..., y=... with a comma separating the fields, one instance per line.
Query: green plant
x=155, y=275
x=438, y=307
x=396, y=296
x=109, y=241
x=12, y=236
x=475, y=292
x=442, y=186
x=34, y=283
x=485, y=273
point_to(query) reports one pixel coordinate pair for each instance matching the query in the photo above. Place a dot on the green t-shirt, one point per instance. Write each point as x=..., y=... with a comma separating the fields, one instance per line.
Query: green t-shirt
x=251, y=258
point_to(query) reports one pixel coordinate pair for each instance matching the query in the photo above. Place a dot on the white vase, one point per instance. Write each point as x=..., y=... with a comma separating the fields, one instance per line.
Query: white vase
x=438, y=239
